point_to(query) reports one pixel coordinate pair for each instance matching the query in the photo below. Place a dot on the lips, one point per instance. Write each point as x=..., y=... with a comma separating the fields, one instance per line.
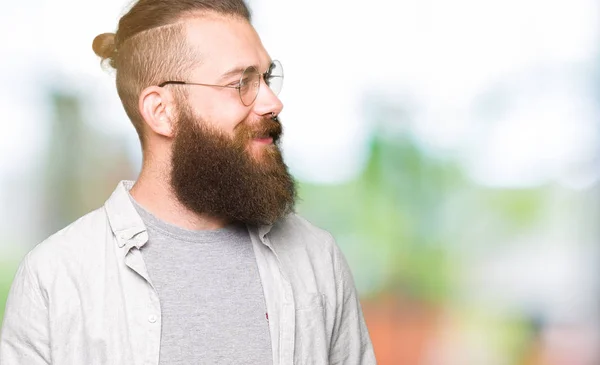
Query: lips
x=265, y=140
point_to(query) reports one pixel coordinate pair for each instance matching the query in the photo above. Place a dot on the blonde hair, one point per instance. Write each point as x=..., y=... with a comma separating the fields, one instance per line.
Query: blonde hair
x=150, y=47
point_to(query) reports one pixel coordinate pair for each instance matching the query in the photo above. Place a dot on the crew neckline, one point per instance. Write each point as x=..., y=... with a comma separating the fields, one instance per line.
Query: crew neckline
x=151, y=221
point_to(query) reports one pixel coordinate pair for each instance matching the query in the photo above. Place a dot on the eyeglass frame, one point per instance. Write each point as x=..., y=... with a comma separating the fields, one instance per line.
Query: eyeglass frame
x=238, y=87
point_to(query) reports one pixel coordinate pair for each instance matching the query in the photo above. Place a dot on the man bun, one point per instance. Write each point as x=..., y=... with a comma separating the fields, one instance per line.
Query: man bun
x=105, y=48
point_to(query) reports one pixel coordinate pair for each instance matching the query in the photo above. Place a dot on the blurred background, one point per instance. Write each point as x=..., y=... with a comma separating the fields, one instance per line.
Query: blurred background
x=451, y=147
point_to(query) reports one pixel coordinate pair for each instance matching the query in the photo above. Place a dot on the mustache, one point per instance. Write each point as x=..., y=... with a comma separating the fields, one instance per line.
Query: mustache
x=267, y=127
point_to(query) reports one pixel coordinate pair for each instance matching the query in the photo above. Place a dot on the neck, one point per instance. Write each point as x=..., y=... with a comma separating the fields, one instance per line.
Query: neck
x=153, y=192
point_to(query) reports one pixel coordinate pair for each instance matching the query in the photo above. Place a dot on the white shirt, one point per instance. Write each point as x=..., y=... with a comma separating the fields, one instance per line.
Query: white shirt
x=83, y=296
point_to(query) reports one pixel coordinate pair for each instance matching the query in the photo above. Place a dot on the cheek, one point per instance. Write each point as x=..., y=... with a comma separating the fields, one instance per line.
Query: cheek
x=233, y=122
x=225, y=117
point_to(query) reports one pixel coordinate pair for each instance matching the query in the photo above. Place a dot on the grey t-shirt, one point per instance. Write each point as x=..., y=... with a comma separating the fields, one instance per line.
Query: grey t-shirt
x=212, y=303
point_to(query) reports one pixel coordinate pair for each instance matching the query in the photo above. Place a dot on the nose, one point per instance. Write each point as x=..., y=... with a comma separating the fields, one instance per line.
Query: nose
x=267, y=103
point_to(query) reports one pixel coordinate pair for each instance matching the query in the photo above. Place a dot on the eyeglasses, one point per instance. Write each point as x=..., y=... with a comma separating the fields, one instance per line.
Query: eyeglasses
x=249, y=83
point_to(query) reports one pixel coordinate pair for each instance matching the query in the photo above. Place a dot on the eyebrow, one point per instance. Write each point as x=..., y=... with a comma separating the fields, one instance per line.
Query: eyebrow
x=237, y=70
x=234, y=71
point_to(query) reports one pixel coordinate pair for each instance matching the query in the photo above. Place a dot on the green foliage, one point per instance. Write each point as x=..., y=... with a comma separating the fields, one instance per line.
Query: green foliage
x=389, y=219
x=520, y=207
x=404, y=221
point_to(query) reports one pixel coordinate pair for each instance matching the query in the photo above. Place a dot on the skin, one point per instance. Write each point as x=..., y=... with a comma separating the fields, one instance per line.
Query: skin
x=222, y=43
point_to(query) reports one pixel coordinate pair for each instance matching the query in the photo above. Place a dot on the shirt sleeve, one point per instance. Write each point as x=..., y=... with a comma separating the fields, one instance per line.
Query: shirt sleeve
x=24, y=337
x=350, y=344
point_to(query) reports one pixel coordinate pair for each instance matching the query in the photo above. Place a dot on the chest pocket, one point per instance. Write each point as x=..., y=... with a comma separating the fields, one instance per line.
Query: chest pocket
x=311, y=344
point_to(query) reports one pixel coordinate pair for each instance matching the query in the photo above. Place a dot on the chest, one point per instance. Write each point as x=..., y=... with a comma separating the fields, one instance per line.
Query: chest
x=211, y=302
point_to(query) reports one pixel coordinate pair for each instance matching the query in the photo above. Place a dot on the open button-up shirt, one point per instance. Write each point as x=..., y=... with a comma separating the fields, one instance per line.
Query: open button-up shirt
x=83, y=296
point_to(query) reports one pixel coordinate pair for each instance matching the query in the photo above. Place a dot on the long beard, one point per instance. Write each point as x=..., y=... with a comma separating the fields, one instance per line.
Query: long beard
x=220, y=176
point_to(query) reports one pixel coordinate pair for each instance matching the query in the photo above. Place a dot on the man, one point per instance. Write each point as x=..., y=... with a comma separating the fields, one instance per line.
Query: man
x=201, y=260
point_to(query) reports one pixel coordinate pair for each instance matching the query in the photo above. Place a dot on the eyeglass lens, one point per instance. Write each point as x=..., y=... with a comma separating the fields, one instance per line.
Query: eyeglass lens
x=250, y=82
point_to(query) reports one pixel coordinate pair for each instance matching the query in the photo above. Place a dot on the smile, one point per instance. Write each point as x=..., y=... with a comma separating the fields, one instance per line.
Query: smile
x=264, y=140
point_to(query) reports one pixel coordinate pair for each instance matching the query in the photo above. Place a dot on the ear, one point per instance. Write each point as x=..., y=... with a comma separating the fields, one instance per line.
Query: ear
x=156, y=107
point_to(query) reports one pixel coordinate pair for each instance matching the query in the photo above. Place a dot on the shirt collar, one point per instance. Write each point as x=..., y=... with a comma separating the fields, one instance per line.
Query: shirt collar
x=126, y=223
x=124, y=220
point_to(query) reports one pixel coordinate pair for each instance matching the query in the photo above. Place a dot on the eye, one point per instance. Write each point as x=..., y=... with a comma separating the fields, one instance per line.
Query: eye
x=245, y=81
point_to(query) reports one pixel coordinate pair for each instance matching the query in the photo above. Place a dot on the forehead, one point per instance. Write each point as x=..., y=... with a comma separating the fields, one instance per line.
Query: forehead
x=223, y=43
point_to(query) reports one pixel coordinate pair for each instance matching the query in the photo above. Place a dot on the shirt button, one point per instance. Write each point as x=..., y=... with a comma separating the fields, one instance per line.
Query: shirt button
x=152, y=318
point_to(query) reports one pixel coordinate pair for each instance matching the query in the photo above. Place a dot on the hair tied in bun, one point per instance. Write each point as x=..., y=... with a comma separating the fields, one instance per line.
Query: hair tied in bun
x=104, y=47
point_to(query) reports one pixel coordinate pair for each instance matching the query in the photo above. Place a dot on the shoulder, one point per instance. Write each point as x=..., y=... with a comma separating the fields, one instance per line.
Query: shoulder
x=295, y=230
x=73, y=243
x=298, y=241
